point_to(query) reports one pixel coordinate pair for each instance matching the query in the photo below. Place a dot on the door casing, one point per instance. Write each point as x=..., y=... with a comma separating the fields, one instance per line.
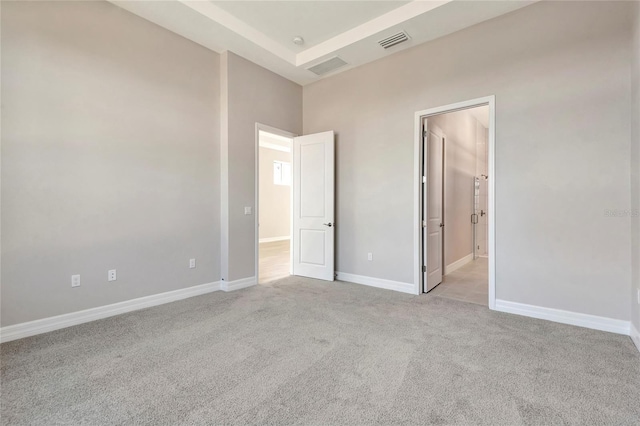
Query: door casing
x=489, y=101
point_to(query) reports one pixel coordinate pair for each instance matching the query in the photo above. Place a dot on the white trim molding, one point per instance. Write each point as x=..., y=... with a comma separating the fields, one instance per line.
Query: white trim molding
x=238, y=284
x=376, y=282
x=45, y=325
x=274, y=239
x=635, y=336
x=458, y=264
x=565, y=317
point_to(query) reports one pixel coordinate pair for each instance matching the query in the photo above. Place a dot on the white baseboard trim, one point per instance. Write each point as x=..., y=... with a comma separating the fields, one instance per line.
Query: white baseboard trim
x=458, y=264
x=31, y=328
x=565, y=317
x=376, y=282
x=238, y=284
x=635, y=336
x=273, y=239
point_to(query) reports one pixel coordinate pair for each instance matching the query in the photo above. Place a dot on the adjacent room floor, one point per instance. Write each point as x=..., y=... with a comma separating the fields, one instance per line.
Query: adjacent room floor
x=274, y=261
x=470, y=283
x=310, y=352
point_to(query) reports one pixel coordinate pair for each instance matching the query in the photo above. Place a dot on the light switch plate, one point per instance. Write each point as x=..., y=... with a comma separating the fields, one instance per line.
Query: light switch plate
x=247, y=210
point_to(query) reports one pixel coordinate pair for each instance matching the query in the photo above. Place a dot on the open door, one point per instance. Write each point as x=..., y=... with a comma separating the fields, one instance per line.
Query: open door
x=313, y=204
x=432, y=209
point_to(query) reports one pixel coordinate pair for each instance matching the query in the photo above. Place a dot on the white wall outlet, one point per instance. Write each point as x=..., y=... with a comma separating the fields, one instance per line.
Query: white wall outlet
x=111, y=275
x=192, y=263
x=369, y=256
x=247, y=210
x=639, y=296
x=75, y=280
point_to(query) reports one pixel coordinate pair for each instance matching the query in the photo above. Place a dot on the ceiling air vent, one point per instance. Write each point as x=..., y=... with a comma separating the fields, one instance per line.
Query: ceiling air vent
x=394, y=39
x=327, y=66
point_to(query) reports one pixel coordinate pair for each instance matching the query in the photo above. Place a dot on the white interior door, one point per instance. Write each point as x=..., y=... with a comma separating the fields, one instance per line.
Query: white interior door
x=313, y=206
x=433, y=149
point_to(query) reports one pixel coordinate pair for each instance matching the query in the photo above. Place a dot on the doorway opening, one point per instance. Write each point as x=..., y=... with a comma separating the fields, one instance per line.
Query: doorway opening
x=295, y=194
x=274, y=175
x=455, y=209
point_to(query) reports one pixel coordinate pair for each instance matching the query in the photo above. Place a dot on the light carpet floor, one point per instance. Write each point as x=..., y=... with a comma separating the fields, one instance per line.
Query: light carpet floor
x=301, y=351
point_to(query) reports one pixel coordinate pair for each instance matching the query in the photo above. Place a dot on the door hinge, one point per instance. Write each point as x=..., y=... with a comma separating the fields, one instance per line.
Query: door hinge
x=424, y=133
x=424, y=179
x=424, y=223
x=424, y=268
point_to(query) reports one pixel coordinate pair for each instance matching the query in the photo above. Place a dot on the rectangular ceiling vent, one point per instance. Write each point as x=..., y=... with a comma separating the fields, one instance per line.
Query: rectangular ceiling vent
x=327, y=66
x=394, y=39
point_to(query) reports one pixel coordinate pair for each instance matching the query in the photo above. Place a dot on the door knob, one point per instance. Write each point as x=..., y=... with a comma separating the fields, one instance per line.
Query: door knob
x=328, y=224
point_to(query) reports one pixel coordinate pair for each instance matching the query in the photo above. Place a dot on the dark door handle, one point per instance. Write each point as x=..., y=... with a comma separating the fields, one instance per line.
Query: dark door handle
x=328, y=224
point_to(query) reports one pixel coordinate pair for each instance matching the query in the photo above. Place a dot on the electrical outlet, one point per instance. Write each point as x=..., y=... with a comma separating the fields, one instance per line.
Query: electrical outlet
x=369, y=256
x=639, y=296
x=111, y=275
x=75, y=280
x=192, y=263
x=247, y=210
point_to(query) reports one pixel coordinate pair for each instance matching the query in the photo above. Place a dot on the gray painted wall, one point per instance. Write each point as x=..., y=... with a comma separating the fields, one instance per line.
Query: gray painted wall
x=560, y=72
x=109, y=158
x=635, y=171
x=253, y=95
x=275, y=200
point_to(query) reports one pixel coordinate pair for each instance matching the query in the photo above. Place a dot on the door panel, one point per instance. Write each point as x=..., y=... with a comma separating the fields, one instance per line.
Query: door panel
x=312, y=181
x=433, y=149
x=313, y=206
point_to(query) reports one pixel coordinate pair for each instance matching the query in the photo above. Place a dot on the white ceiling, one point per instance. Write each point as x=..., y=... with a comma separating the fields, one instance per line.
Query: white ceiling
x=261, y=31
x=316, y=21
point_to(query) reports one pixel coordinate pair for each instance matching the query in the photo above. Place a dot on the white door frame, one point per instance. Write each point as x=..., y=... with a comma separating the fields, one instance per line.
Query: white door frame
x=417, y=179
x=256, y=210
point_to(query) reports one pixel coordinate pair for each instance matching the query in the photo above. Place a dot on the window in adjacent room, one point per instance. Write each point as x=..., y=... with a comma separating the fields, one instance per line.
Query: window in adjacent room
x=282, y=173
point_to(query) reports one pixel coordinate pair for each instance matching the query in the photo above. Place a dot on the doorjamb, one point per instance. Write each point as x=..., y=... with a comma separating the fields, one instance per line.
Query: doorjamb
x=417, y=198
x=256, y=210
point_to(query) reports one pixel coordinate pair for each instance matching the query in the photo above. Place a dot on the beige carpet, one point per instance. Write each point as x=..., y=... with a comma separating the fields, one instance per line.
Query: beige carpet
x=302, y=351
